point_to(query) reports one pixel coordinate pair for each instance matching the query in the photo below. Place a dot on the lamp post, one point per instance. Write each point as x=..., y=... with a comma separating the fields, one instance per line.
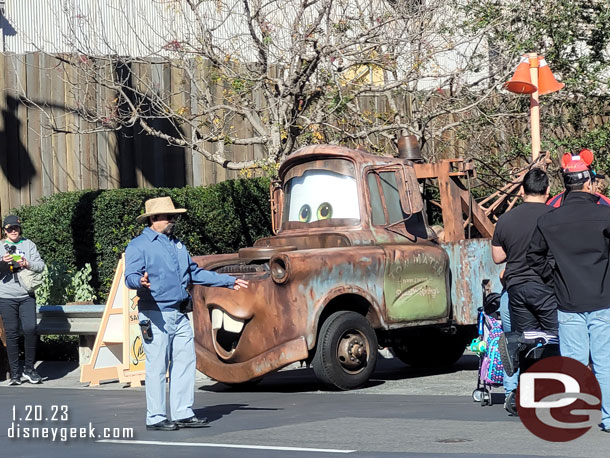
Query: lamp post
x=534, y=107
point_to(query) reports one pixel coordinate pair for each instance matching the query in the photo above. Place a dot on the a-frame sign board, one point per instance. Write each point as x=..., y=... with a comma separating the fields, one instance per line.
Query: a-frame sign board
x=117, y=352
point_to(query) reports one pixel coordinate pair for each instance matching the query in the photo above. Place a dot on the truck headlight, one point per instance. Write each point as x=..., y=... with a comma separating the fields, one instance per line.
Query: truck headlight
x=279, y=270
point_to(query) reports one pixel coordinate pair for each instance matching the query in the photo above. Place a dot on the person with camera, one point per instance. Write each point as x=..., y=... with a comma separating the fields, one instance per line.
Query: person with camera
x=17, y=305
x=160, y=268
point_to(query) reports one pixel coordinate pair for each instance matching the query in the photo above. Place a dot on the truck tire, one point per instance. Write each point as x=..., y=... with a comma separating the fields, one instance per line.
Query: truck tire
x=433, y=350
x=346, y=352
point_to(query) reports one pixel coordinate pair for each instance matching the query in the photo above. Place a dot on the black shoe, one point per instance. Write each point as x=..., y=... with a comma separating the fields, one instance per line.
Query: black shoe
x=193, y=422
x=15, y=380
x=164, y=425
x=31, y=375
x=508, y=347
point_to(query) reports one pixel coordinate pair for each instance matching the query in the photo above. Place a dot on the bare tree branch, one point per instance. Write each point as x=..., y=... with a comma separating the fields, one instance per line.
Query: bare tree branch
x=277, y=75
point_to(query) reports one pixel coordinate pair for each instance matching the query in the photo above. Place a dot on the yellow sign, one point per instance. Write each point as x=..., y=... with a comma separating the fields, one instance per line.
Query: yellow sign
x=136, y=349
x=117, y=352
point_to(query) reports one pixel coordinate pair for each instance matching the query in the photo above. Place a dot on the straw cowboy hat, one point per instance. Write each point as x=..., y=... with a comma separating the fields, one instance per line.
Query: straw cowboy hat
x=159, y=206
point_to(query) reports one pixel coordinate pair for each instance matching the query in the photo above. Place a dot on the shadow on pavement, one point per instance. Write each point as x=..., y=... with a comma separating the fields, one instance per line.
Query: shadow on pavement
x=299, y=380
x=394, y=369
x=55, y=370
x=303, y=379
x=214, y=413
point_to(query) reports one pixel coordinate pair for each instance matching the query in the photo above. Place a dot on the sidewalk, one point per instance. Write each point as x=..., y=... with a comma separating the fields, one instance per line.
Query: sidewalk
x=66, y=374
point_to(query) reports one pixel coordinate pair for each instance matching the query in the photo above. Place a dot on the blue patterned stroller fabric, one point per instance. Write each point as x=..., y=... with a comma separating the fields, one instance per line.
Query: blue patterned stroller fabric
x=492, y=371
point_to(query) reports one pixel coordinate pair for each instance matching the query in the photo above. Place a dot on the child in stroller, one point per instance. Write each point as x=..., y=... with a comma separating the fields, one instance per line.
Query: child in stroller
x=491, y=371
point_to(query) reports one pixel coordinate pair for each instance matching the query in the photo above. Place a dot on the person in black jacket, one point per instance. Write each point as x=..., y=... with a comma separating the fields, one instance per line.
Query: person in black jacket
x=571, y=247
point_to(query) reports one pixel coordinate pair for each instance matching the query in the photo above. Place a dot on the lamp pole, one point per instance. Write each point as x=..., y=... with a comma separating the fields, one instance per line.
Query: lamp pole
x=534, y=107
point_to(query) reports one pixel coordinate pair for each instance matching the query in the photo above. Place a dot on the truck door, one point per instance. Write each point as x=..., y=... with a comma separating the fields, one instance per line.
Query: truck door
x=416, y=280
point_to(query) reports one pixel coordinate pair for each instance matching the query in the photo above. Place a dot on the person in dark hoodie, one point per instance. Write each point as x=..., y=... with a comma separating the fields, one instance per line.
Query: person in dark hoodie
x=571, y=247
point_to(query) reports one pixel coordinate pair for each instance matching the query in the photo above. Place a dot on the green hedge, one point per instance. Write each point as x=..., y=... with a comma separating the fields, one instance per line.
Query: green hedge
x=74, y=228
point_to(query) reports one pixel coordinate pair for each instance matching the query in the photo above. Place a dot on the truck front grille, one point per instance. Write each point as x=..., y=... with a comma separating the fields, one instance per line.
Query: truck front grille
x=243, y=269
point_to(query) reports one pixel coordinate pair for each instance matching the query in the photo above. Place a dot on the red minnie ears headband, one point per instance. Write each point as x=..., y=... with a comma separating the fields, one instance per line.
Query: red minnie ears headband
x=577, y=163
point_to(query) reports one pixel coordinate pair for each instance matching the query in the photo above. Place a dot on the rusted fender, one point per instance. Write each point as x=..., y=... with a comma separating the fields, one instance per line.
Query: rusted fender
x=471, y=263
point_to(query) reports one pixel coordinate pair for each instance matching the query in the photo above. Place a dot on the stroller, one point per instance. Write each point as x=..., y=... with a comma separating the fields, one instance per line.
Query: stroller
x=491, y=371
x=518, y=351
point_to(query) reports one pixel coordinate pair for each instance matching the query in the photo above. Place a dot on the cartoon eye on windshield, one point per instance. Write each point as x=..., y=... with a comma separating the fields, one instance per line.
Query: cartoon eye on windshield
x=305, y=214
x=319, y=195
x=325, y=211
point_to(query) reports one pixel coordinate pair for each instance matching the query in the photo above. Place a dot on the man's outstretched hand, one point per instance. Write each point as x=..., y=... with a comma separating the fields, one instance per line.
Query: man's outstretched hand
x=240, y=283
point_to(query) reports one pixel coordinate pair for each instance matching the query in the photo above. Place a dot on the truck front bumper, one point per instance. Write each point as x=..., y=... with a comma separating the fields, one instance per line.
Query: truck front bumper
x=272, y=360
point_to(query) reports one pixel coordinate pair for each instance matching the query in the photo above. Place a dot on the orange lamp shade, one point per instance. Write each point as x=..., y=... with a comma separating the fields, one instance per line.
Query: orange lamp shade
x=521, y=83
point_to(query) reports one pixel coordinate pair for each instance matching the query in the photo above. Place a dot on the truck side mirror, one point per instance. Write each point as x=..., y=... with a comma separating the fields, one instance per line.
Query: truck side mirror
x=411, y=200
x=277, y=204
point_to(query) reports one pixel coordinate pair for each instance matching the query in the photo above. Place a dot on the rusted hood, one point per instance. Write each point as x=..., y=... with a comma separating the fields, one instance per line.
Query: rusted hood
x=306, y=241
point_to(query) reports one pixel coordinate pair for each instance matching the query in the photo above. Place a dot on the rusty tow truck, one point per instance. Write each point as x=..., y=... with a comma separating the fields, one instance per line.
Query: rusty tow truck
x=352, y=266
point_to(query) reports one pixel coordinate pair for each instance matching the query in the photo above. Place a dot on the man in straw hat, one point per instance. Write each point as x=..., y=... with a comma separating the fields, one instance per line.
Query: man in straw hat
x=160, y=268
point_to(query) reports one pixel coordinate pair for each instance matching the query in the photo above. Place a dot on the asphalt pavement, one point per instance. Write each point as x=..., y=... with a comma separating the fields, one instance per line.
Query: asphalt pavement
x=402, y=412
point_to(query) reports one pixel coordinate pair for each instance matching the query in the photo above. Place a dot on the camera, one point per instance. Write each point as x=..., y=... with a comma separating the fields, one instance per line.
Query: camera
x=11, y=249
x=146, y=329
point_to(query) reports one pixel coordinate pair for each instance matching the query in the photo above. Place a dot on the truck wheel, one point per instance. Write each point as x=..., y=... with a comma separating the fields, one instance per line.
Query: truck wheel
x=435, y=350
x=346, y=352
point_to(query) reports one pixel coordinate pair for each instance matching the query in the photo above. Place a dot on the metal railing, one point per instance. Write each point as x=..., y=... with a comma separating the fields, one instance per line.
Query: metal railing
x=82, y=320
x=69, y=319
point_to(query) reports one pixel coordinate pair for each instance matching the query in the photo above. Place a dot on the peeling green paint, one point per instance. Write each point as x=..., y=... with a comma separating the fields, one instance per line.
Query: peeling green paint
x=415, y=284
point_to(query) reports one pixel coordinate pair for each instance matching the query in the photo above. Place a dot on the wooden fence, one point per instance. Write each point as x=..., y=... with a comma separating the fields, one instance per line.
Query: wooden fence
x=35, y=163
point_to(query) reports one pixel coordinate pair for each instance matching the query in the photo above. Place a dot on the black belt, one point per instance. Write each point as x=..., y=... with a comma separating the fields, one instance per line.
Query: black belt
x=186, y=305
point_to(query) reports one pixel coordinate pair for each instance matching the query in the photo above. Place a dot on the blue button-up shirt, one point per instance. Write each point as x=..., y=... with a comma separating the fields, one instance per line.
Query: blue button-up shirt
x=170, y=270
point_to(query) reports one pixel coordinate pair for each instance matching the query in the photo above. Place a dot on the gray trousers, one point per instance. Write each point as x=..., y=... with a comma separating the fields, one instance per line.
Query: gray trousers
x=172, y=346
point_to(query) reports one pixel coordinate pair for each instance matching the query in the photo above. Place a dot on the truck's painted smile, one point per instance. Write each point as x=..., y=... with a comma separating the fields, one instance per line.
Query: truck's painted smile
x=226, y=331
